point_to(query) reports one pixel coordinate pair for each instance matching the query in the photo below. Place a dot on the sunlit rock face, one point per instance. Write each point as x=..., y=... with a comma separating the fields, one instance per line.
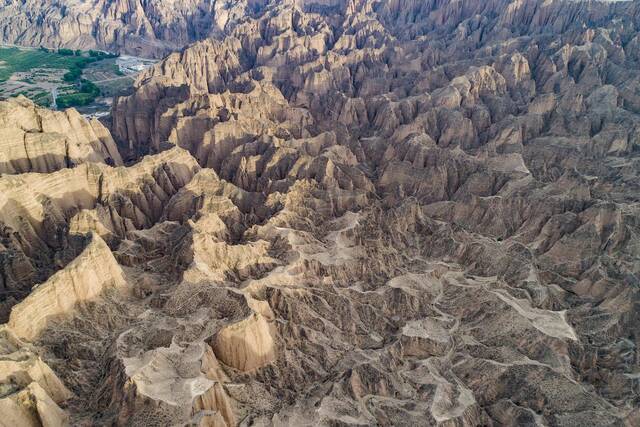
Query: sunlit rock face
x=35, y=139
x=337, y=213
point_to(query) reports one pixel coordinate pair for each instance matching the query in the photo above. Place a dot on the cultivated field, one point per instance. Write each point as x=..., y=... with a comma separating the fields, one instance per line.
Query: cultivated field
x=14, y=59
x=65, y=78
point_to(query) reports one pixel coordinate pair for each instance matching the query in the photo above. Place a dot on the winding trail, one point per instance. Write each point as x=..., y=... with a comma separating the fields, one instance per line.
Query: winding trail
x=54, y=98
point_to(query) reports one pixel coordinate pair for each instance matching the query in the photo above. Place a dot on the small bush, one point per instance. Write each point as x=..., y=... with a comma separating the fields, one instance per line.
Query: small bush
x=102, y=55
x=72, y=75
x=90, y=88
x=74, y=100
x=87, y=93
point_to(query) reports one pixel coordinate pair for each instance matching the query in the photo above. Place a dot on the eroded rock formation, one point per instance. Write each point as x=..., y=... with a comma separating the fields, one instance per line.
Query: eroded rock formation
x=85, y=278
x=350, y=213
x=31, y=391
x=34, y=139
x=143, y=28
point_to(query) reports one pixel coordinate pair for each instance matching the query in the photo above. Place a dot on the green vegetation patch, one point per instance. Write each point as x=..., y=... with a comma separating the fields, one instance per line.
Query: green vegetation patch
x=75, y=100
x=15, y=60
x=42, y=98
x=86, y=94
x=64, y=70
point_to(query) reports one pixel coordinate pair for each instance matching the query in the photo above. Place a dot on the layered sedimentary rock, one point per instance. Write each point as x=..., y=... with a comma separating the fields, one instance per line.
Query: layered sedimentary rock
x=149, y=29
x=356, y=213
x=92, y=273
x=246, y=345
x=35, y=139
x=31, y=391
x=44, y=216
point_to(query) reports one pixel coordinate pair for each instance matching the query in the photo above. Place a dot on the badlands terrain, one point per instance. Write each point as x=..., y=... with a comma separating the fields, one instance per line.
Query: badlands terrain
x=330, y=213
x=147, y=28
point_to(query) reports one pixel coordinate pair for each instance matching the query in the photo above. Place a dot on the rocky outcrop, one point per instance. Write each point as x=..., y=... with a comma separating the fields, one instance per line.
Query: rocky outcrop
x=187, y=382
x=147, y=29
x=34, y=139
x=32, y=407
x=38, y=210
x=31, y=391
x=92, y=273
x=246, y=345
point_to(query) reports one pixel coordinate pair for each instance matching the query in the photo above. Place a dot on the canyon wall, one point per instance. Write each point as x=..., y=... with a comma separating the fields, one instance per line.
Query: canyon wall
x=339, y=213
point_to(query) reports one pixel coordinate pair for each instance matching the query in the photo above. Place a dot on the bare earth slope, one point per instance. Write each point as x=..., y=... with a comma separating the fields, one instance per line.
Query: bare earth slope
x=342, y=213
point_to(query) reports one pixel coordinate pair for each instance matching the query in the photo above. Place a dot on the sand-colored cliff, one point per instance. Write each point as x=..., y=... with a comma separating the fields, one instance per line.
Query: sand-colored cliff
x=31, y=391
x=35, y=139
x=93, y=272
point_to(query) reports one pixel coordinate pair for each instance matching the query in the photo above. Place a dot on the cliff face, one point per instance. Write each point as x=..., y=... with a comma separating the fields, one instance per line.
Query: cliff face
x=342, y=212
x=90, y=274
x=143, y=28
x=43, y=215
x=34, y=139
x=32, y=394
